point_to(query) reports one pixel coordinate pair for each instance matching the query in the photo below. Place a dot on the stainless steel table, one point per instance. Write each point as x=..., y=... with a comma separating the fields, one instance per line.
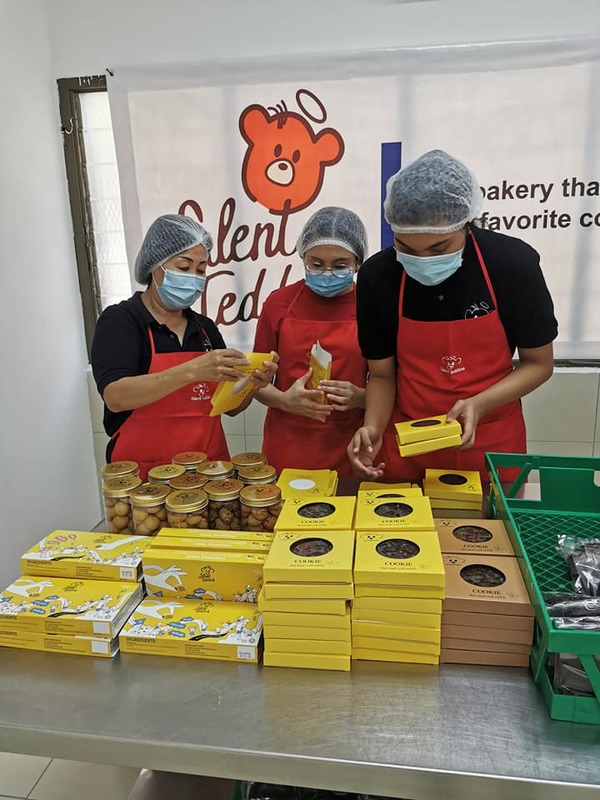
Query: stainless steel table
x=411, y=732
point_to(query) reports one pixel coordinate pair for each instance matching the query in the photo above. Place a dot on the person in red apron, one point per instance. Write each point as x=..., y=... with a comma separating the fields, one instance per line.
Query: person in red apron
x=156, y=362
x=309, y=428
x=440, y=316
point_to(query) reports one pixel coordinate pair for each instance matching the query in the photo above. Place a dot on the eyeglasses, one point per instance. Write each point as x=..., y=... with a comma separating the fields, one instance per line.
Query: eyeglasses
x=318, y=269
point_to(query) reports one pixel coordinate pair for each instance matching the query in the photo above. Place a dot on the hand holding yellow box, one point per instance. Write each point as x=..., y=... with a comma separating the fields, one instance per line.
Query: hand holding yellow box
x=426, y=429
x=231, y=394
x=320, y=364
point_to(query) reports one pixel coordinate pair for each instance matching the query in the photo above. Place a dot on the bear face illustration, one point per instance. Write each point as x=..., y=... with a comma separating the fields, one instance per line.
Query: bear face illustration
x=285, y=162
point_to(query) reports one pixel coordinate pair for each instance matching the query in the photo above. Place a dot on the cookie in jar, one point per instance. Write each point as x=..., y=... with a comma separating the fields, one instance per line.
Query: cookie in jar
x=261, y=506
x=148, y=508
x=187, y=508
x=224, y=511
x=117, y=506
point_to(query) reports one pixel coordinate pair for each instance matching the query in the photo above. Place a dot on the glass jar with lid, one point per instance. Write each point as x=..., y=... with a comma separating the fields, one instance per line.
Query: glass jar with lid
x=216, y=470
x=242, y=460
x=148, y=508
x=190, y=460
x=163, y=473
x=120, y=469
x=261, y=505
x=187, y=508
x=117, y=506
x=189, y=480
x=224, y=512
x=261, y=473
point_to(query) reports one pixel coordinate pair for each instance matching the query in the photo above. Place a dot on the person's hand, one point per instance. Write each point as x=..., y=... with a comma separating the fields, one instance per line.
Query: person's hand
x=343, y=395
x=305, y=402
x=263, y=377
x=362, y=452
x=467, y=413
x=218, y=365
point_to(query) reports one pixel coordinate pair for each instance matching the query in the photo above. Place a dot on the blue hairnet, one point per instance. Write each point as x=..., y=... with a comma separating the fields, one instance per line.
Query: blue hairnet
x=437, y=193
x=333, y=225
x=166, y=237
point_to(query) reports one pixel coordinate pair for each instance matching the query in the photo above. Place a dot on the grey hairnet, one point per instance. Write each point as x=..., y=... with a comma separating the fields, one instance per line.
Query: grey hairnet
x=437, y=193
x=166, y=237
x=333, y=225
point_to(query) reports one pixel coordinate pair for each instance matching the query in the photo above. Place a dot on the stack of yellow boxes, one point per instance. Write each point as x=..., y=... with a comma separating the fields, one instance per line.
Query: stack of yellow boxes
x=487, y=617
x=454, y=493
x=308, y=583
x=306, y=483
x=75, y=593
x=399, y=580
x=419, y=436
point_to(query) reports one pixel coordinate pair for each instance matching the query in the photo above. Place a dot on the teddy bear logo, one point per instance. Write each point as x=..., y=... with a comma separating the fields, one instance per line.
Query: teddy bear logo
x=284, y=165
x=452, y=365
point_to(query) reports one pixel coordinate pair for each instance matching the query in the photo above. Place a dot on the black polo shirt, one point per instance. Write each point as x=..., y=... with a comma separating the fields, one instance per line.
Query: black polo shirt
x=121, y=346
x=524, y=303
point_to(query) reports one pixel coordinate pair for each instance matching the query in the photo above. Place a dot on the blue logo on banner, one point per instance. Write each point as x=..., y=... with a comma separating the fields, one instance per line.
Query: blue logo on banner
x=391, y=161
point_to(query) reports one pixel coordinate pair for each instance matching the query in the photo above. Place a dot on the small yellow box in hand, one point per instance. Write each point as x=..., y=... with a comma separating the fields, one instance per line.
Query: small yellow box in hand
x=426, y=429
x=320, y=363
x=231, y=394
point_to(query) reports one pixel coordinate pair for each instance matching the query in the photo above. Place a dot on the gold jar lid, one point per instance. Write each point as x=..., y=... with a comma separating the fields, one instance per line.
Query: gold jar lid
x=189, y=480
x=190, y=458
x=248, y=460
x=267, y=494
x=149, y=494
x=216, y=469
x=187, y=500
x=165, y=472
x=120, y=487
x=261, y=473
x=225, y=489
x=119, y=469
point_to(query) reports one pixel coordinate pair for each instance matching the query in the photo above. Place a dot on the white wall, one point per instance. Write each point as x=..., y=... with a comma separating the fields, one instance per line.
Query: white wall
x=90, y=36
x=47, y=470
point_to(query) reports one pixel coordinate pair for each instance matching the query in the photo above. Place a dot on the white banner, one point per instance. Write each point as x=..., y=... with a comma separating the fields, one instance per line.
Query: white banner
x=251, y=149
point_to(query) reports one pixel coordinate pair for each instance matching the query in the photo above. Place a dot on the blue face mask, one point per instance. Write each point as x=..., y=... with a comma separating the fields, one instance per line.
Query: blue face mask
x=430, y=270
x=329, y=284
x=180, y=290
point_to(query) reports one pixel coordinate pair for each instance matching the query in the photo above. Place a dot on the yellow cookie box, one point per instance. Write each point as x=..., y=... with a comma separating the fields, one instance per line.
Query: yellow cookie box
x=309, y=591
x=54, y=643
x=317, y=514
x=455, y=505
x=223, y=545
x=430, y=446
x=80, y=554
x=231, y=394
x=307, y=620
x=388, y=559
x=301, y=558
x=201, y=533
x=405, y=646
x=306, y=661
x=389, y=494
x=401, y=592
x=67, y=606
x=382, y=630
x=381, y=514
x=366, y=486
x=306, y=632
x=470, y=488
x=364, y=654
x=425, y=605
x=303, y=483
x=314, y=646
x=194, y=629
x=415, y=619
x=426, y=429
x=203, y=575
x=303, y=606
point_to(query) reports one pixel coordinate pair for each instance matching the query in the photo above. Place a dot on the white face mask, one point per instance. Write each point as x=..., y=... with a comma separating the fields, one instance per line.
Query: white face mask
x=431, y=270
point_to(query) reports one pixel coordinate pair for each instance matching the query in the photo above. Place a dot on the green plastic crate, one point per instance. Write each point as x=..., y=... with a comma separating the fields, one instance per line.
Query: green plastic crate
x=569, y=504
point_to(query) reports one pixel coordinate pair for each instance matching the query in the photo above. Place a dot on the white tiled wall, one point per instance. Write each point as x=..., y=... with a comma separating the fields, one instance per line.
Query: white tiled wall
x=563, y=418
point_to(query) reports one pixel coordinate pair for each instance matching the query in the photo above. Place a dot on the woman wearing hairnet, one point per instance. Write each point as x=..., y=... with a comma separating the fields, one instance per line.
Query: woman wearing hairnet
x=156, y=362
x=440, y=315
x=310, y=428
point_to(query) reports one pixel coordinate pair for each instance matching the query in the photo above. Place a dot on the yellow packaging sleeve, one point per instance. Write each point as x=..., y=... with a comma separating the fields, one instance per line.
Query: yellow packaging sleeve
x=303, y=606
x=306, y=632
x=317, y=514
x=456, y=504
x=392, y=645
x=301, y=557
x=202, y=533
x=307, y=661
x=394, y=514
x=406, y=559
x=56, y=643
x=231, y=394
x=307, y=620
x=320, y=362
x=402, y=618
x=430, y=446
x=389, y=494
x=408, y=592
x=420, y=605
x=314, y=646
x=382, y=630
x=426, y=429
x=221, y=545
x=309, y=591
x=362, y=654
x=365, y=486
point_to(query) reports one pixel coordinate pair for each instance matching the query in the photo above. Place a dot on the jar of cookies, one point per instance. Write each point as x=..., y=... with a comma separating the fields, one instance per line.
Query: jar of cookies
x=187, y=508
x=164, y=473
x=117, y=507
x=216, y=470
x=260, y=473
x=261, y=505
x=189, y=480
x=224, y=512
x=190, y=460
x=148, y=508
x=242, y=460
x=120, y=469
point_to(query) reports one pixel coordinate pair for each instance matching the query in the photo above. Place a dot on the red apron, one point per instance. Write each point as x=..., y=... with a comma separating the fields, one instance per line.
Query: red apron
x=440, y=363
x=299, y=442
x=152, y=434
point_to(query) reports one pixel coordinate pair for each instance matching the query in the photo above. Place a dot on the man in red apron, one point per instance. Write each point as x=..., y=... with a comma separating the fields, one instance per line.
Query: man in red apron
x=440, y=315
x=156, y=362
x=310, y=428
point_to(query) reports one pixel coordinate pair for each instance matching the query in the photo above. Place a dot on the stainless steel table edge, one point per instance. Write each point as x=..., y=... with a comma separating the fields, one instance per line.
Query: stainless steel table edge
x=379, y=779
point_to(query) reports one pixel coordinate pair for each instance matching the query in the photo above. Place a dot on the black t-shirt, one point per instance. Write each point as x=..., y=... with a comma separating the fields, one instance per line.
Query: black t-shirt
x=121, y=346
x=524, y=303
